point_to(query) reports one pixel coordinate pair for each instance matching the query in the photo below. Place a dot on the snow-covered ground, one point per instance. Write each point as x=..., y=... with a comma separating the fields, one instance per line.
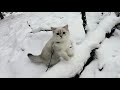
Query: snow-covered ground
x=16, y=42
x=107, y=64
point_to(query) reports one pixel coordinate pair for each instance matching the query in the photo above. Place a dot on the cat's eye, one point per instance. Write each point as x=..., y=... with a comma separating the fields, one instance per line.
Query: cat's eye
x=63, y=32
x=57, y=33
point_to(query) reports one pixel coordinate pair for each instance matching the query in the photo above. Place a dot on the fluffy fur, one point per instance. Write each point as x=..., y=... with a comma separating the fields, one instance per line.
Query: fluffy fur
x=59, y=44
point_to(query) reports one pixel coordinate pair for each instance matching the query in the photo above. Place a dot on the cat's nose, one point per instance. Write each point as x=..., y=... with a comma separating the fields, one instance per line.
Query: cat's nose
x=61, y=36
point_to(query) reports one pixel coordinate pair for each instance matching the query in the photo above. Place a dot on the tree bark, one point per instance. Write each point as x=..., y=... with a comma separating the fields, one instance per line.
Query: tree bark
x=117, y=14
x=84, y=21
x=1, y=16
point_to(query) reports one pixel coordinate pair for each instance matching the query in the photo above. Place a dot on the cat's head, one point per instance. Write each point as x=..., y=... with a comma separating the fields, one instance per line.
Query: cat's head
x=60, y=33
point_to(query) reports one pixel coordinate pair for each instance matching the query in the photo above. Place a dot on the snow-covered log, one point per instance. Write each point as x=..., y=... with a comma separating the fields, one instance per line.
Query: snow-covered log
x=66, y=69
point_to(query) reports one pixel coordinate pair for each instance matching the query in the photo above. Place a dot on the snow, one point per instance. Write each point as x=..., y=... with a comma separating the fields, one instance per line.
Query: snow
x=108, y=57
x=93, y=19
x=16, y=42
x=92, y=41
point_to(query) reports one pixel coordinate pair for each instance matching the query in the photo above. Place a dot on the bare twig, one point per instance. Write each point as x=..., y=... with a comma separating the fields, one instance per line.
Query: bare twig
x=38, y=31
x=46, y=30
x=41, y=31
x=29, y=25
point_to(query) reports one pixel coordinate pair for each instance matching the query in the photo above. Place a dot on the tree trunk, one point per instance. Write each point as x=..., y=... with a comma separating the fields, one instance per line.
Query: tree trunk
x=1, y=16
x=84, y=21
x=117, y=14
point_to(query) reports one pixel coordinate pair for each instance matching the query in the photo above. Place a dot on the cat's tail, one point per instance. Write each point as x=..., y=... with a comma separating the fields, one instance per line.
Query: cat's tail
x=35, y=59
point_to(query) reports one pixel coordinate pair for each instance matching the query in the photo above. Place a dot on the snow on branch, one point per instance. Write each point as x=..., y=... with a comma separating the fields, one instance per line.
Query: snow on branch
x=67, y=69
x=38, y=30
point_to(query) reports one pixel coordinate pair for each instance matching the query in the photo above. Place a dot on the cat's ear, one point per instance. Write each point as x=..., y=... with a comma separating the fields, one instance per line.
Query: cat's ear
x=53, y=28
x=66, y=27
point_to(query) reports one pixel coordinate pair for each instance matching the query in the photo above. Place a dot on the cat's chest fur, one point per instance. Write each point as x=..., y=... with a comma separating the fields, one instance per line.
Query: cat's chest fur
x=61, y=45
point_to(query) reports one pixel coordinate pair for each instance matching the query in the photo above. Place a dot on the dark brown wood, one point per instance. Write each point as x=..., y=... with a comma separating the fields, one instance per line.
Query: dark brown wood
x=1, y=16
x=84, y=21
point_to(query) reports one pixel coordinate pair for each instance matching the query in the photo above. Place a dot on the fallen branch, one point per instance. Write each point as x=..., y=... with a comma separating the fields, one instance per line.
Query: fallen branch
x=108, y=35
x=38, y=31
x=93, y=54
x=92, y=57
x=42, y=31
x=29, y=25
x=46, y=30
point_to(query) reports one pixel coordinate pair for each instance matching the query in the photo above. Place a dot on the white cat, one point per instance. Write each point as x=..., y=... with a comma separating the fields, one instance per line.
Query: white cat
x=58, y=46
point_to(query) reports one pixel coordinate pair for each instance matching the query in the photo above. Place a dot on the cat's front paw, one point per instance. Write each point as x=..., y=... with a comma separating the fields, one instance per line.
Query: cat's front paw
x=70, y=54
x=66, y=58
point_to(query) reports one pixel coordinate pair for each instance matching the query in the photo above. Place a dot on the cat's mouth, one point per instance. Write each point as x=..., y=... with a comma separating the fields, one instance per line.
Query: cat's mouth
x=57, y=42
